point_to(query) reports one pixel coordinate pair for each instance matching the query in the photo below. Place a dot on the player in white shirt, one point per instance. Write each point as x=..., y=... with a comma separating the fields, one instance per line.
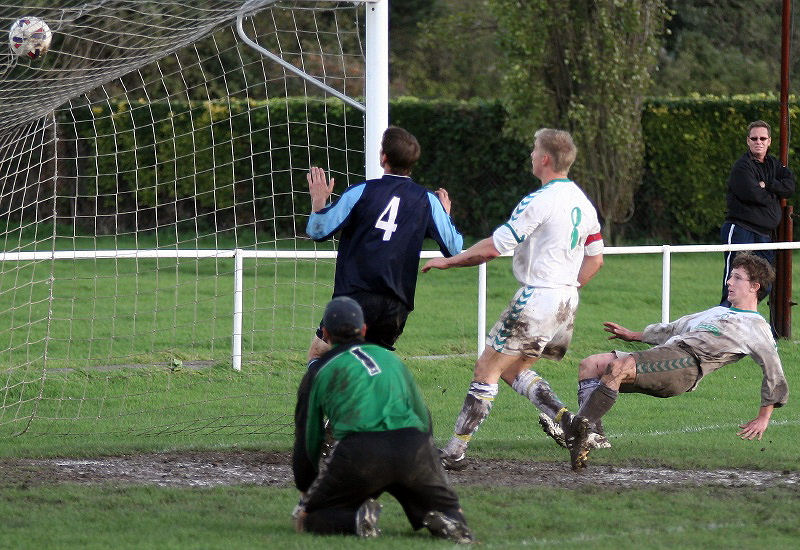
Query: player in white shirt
x=555, y=236
x=685, y=351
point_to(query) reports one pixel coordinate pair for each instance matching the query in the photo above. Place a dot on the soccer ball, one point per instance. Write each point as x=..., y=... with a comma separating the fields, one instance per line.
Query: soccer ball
x=30, y=37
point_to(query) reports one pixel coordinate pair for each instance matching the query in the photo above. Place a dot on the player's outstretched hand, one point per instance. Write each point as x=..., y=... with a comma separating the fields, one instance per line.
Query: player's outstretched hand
x=435, y=263
x=318, y=188
x=444, y=198
x=754, y=428
x=618, y=331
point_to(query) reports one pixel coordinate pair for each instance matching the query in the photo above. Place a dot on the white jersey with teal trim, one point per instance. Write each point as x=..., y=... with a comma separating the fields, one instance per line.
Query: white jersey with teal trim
x=550, y=231
x=719, y=336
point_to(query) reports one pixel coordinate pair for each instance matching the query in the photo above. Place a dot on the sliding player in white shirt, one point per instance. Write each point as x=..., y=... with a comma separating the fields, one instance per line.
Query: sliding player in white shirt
x=685, y=351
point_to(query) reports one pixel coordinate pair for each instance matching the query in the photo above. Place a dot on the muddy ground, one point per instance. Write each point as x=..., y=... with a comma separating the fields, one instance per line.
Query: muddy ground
x=207, y=469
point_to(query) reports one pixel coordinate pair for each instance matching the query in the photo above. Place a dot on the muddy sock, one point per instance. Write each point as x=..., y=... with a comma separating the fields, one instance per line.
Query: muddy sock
x=585, y=389
x=598, y=403
x=477, y=405
x=529, y=384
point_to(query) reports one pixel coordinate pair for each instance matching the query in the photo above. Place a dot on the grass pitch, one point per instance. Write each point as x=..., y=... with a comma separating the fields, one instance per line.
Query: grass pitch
x=252, y=517
x=201, y=409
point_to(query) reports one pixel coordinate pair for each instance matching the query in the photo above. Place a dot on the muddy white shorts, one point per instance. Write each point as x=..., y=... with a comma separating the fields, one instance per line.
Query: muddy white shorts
x=538, y=322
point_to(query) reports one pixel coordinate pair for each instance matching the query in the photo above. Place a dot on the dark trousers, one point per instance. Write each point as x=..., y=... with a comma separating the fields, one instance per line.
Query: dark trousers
x=732, y=233
x=403, y=463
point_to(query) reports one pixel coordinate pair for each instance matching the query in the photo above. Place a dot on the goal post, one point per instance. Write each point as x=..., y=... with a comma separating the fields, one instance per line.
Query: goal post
x=377, y=79
x=152, y=175
x=375, y=109
x=377, y=85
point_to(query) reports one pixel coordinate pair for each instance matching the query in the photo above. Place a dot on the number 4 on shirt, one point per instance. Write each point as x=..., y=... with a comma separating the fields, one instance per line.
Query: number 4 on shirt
x=387, y=218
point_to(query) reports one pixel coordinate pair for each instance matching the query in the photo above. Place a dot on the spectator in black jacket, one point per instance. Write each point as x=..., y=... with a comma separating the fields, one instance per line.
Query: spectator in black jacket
x=756, y=185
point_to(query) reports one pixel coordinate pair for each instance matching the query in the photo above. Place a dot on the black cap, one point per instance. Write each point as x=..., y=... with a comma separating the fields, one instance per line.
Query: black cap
x=343, y=317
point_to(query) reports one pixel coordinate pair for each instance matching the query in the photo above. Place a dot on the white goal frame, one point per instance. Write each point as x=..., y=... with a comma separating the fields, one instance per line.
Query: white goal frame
x=376, y=105
x=152, y=153
x=376, y=119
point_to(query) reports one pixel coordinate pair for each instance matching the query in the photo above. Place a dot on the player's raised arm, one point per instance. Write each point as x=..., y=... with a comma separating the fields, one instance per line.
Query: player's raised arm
x=444, y=198
x=443, y=231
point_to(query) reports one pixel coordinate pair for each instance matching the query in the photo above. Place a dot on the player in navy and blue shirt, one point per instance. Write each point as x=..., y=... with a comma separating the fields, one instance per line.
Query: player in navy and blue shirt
x=383, y=223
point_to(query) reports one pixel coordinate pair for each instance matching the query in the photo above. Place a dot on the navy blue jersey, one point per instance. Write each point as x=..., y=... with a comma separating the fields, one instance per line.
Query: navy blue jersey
x=383, y=223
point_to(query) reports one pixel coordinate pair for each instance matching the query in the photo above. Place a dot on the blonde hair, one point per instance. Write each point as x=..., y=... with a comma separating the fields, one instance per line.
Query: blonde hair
x=559, y=146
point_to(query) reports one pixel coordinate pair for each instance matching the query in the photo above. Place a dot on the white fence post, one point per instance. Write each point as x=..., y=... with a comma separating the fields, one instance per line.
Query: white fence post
x=481, y=308
x=665, y=282
x=238, y=274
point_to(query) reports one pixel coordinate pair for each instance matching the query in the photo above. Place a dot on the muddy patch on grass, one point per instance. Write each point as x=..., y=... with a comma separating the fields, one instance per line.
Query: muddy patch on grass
x=209, y=469
x=518, y=473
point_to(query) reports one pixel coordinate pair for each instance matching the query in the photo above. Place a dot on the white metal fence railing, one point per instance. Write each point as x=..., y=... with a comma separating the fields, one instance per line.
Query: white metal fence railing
x=665, y=250
x=239, y=256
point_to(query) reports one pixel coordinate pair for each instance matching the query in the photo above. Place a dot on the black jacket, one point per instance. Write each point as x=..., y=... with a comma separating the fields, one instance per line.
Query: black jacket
x=751, y=206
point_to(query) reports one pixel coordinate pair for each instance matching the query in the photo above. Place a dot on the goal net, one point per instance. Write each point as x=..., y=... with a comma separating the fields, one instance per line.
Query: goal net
x=152, y=177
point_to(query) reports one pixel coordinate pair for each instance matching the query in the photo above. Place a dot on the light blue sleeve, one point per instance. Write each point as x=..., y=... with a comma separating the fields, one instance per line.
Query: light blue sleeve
x=451, y=239
x=327, y=221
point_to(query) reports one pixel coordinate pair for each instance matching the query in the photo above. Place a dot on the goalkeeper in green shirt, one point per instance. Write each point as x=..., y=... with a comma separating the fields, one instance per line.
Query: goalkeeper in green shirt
x=382, y=433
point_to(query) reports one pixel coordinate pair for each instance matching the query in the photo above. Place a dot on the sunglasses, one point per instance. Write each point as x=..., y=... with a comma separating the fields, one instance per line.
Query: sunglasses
x=758, y=138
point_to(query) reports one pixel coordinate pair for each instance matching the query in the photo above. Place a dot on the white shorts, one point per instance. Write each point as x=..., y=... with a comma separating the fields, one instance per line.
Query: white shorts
x=538, y=322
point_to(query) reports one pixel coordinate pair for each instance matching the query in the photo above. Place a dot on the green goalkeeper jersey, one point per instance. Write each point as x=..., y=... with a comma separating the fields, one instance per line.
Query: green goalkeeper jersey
x=358, y=387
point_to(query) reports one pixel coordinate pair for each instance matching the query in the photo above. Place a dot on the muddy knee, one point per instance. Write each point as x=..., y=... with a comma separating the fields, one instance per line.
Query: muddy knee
x=594, y=366
x=619, y=371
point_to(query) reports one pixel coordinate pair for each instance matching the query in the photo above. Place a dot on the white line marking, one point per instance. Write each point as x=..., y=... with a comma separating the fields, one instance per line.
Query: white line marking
x=584, y=538
x=694, y=429
x=441, y=357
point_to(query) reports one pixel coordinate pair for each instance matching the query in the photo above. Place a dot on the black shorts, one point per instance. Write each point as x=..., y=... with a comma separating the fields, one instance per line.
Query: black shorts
x=404, y=463
x=385, y=317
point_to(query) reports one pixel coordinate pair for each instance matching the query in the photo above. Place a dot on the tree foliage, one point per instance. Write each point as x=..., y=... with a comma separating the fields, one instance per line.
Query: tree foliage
x=585, y=67
x=455, y=55
x=722, y=47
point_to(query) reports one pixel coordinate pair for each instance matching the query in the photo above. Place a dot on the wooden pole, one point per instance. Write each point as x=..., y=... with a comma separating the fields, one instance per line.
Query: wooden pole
x=781, y=297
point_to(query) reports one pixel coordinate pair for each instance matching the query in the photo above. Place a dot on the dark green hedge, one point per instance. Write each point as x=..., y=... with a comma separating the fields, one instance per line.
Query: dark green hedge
x=465, y=151
x=690, y=145
x=222, y=165
x=196, y=163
